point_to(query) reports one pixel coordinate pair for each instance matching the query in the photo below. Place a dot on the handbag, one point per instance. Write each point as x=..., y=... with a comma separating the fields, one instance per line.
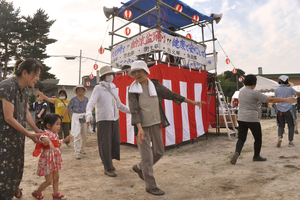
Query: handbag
x=82, y=120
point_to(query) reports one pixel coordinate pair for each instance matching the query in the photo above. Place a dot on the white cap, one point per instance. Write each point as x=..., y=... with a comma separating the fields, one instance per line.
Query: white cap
x=137, y=65
x=283, y=78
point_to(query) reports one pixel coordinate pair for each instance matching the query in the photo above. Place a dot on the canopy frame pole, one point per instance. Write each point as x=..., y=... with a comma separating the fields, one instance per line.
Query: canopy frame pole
x=112, y=30
x=131, y=37
x=158, y=15
x=153, y=16
x=128, y=6
x=142, y=15
x=173, y=9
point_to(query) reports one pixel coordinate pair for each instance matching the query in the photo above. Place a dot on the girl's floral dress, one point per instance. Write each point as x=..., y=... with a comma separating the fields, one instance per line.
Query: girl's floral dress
x=50, y=160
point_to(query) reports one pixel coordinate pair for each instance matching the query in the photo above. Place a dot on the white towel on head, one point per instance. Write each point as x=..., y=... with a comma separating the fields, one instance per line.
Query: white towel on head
x=136, y=87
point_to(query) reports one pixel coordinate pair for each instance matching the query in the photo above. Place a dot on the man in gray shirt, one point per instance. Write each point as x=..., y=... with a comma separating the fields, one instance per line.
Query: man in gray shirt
x=248, y=116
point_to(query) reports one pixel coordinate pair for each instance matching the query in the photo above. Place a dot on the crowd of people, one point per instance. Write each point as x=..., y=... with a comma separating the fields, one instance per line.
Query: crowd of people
x=145, y=106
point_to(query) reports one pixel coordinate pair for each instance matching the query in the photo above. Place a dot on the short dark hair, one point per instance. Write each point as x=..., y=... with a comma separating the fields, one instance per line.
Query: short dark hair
x=283, y=82
x=64, y=92
x=250, y=80
x=51, y=118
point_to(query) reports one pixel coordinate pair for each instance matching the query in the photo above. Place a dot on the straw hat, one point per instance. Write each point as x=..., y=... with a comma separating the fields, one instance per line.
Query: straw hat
x=106, y=70
x=79, y=86
x=138, y=65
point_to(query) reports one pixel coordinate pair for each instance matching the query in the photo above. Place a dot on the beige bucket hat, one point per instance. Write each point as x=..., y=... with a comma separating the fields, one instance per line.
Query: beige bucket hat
x=79, y=86
x=106, y=70
x=137, y=65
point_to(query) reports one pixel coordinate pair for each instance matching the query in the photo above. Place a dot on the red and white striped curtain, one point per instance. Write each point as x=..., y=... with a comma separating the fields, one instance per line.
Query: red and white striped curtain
x=187, y=121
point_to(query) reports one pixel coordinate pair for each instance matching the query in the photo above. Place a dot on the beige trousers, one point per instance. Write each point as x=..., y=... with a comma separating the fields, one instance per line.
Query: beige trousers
x=151, y=155
x=79, y=132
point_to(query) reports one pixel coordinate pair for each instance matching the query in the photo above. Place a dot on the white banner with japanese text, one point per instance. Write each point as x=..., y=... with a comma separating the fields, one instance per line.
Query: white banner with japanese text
x=153, y=41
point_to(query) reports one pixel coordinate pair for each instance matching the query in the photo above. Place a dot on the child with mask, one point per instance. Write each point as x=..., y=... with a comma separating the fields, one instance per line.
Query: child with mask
x=107, y=103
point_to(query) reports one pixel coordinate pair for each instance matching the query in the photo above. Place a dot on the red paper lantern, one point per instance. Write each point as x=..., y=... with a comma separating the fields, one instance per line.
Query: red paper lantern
x=127, y=14
x=88, y=83
x=127, y=31
x=91, y=76
x=178, y=7
x=227, y=61
x=196, y=18
x=188, y=36
x=240, y=79
x=101, y=50
x=234, y=71
x=95, y=66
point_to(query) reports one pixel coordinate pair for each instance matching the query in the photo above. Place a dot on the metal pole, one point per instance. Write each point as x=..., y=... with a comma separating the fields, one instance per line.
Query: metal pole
x=142, y=15
x=237, y=84
x=112, y=30
x=79, y=68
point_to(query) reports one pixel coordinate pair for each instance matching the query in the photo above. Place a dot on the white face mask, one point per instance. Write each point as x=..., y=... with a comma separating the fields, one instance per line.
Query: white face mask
x=109, y=78
x=62, y=98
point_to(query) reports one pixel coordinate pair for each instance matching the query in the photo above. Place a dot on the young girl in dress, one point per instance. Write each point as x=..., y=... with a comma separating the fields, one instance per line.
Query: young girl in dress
x=50, y=161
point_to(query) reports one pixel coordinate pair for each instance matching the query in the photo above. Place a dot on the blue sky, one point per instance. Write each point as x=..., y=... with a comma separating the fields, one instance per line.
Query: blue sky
x=253, y=33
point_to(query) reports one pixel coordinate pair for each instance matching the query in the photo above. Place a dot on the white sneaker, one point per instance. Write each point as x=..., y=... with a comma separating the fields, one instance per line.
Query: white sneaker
x=77, y=156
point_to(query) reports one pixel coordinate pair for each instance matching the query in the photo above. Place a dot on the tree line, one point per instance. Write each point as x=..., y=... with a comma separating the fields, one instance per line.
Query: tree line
x=23, y=37
x=230, y=83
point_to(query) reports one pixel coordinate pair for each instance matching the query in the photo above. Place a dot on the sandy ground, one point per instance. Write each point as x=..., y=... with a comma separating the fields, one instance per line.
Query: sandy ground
x=197, y=169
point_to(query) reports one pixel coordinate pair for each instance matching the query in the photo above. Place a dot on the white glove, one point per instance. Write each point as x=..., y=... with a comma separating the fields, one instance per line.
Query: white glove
x=89, y=118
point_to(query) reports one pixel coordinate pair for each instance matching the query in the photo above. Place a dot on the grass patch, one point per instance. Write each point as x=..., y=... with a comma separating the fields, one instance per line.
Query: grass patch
x=247, y=150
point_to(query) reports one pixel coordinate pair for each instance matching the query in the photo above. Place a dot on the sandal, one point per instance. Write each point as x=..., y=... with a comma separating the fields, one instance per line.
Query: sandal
x=18, y=193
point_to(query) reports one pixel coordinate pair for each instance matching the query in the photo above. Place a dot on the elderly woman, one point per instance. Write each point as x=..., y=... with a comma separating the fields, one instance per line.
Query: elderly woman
x=145, y=104
x=284, y=110
x=248, y=116
x=107, y=102
x=78, y=127
x=14, y=115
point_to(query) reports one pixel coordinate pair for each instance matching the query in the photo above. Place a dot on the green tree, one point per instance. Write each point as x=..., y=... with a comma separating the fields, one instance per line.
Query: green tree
x=229, y=82
x=35, y=39
x=10, y=33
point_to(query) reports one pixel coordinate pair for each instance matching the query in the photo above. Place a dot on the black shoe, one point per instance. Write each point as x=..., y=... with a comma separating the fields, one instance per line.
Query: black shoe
x=259, y=158
x=155, y=191
x=234, y=158
x=110, y=173
x=138, y=171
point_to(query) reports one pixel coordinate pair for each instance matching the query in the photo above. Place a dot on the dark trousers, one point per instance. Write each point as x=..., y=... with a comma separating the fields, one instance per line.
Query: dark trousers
x=108, y=135
x=242, y=135
x=283, y=117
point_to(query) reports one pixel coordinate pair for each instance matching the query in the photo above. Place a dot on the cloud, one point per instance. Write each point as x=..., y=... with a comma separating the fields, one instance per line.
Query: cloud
x=260, y=34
